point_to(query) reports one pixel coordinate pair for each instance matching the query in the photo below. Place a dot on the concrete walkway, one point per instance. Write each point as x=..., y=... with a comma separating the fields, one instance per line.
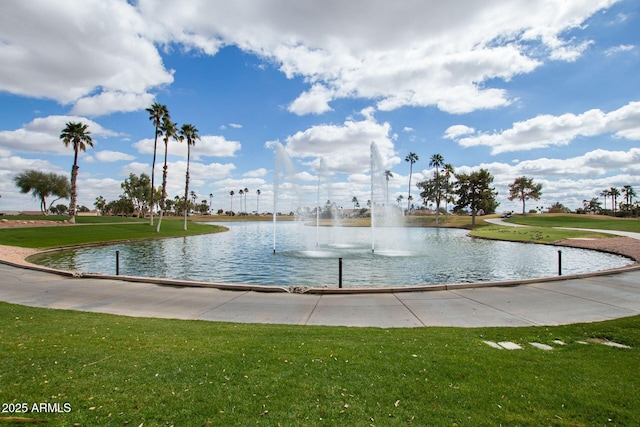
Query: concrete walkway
x=630, y=234
x=543, y=303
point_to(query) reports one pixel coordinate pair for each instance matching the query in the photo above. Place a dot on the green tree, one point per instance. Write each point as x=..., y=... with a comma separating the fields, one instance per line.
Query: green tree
x=157, y=113
x=354, y=200
x=437, y=161
x=524, y=189
x=604, y=194
x=138, y=190
x=475, y=192
x=231, y=193
x=614, y=193
x=76, y=135
x=43, y=185
x=169, y=130
x=189, y=133
x=592, y=205
x=258, y=192
x=100, y=204
x=411, y=158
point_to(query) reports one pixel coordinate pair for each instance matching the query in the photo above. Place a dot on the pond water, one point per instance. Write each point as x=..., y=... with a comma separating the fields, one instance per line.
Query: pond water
x=309, y=257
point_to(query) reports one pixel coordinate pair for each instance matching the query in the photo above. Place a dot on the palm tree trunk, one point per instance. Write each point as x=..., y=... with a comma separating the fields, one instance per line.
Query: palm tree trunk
x=153, y=175
x=74, y=193
x=164, y=186
x=186, y=188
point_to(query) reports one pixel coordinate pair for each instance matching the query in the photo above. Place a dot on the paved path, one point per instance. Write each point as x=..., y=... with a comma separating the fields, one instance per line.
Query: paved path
x=631, y=234
x=545, y=303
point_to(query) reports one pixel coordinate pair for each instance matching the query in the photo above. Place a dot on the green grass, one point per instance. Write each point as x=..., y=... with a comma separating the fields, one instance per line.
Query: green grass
x=47, y=237
x=118, y=371
x=532, y=234
x=578, y=221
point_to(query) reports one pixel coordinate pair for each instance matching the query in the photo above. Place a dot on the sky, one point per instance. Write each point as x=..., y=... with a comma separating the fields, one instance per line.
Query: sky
x=547, y=89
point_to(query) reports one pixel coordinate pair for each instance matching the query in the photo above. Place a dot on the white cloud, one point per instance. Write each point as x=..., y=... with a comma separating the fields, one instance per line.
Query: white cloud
x=344, y=148
x=257, y=173
x=108, y=156
x=206, y=146
x=110, y=102
x=235, y=125
x=619, y=49
x=547, y=130
x=417, y=53
x=42, y=135
x=69, y=50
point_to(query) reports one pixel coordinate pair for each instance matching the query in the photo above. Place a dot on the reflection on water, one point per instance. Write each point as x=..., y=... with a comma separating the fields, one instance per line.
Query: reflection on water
x=402, y=257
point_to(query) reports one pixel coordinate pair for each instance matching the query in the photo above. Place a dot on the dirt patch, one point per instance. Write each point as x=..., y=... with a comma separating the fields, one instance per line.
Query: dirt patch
x=22, y=223
x=616, y=245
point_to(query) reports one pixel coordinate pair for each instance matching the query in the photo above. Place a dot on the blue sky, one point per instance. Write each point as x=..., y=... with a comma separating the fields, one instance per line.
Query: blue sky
x=546, y=89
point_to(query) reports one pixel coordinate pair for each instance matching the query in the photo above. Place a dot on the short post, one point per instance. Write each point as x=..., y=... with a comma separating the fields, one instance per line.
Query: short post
x=339, y=272
x=117, y=263
x=559, y=263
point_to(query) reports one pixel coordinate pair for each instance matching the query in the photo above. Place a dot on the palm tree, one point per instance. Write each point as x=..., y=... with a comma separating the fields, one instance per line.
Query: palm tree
x=258, y=192
x=189, y=133
x=399, y=199
x=614, y=193
x=157, y=112
x=411, y=158
x=449, y=171
x=246, y=191
x=355, y=202
x=387, y=175
x=241, y=193
x=77, y=135
x=605, y=193
x=210, y=202
x=437, y=161
x=629, y=194
x=231, y=193
x=170, y=130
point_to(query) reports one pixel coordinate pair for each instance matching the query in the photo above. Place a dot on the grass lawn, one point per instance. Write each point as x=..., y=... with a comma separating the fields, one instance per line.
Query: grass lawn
x=531, y=234
x=47, y=237
x=578, y=221
x=114, y=370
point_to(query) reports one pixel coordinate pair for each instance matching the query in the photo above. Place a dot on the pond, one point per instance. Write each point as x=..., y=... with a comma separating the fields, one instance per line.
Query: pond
x=307, y=256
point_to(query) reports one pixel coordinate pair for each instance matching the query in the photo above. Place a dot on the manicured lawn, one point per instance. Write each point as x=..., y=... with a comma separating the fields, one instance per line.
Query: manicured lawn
x=578, y=221
x=46, y=237
x=118, y=371
x=531, y=234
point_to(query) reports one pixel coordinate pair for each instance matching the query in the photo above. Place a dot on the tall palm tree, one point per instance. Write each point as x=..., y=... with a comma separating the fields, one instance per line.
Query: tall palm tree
x=614, y=193
x=411, y=158
x=258, y=192
x=157, y=113
x=189, y=133
x=354, y=200
x=241, y=193
x=387, y=175
x=448, y=193
x=605, y=193
x=437, y=161
x=170, y=130
x=76, y=135
x=629, y=194
x=231, y=193
x=246, y=191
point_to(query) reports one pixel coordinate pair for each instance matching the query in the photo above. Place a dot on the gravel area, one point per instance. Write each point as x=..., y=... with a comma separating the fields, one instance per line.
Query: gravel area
x=617, y=245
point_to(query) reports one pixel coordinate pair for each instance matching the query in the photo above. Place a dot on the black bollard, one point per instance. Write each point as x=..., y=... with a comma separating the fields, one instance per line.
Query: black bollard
x=117, y=263
x=339, y=272
x=559, y=263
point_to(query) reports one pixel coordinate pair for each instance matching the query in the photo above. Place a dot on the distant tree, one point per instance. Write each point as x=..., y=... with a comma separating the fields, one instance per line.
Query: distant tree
x=258, y=192
x=558, y=207
x=411, y=158
x=246, y=191
x=231, y=193
x=59, y=209
x=592, y=205
x=157, y=113
x=629, y=194
x=42, y=185
x=524, y=189
x=475, y=192
x=76, y=135
x=138, y=190
x=354, y=200
x=100, y=204
x=614, y=193
x=399, y=199
x=188, y=133
x=604, y=194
